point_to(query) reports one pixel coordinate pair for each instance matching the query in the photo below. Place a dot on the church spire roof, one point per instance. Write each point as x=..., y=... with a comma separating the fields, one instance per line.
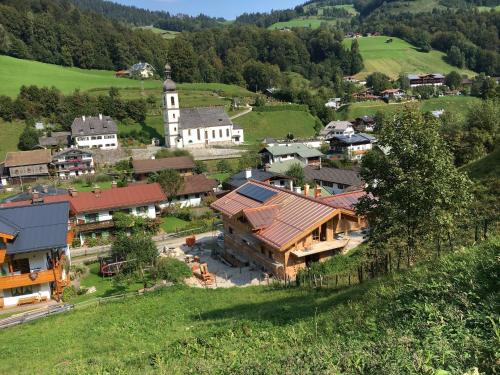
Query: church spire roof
x=168, y=84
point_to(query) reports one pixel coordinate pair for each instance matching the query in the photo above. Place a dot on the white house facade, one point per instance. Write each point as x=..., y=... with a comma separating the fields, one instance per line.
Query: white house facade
x=95, y=132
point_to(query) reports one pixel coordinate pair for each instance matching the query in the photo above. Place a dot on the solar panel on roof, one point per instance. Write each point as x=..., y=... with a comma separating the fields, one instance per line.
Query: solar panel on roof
x=257, y=193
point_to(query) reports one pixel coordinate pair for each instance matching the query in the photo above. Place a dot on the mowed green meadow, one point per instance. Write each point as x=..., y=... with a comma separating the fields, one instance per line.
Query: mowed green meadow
x=456, y=104
x=399, y=57
x=258, y=125
x=9, y=136
x=16, y=72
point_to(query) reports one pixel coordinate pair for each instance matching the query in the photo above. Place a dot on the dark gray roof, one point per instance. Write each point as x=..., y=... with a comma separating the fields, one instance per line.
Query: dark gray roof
x=90, y=125
x=72, y=151
x=239, y=178
x=56, y=138
x=335, y=175
x=37, y=227
x=355, y=139
x=42, y=190
x=204, y=117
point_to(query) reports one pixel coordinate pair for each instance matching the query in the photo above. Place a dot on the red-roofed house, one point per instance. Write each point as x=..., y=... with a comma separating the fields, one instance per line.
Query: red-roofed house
x=281, y=231
x=346, y=200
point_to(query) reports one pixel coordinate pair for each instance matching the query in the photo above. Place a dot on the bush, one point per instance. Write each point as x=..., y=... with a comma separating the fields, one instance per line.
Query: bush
x=171, y=269
x=69, y=293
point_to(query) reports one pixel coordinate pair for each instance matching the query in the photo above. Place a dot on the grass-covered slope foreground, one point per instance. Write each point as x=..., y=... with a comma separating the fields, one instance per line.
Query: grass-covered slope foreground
x=438, y=316
x=400, y=57
x=15, y=72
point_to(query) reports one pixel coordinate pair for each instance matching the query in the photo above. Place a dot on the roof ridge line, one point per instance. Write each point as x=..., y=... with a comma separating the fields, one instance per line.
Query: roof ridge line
x=290, y=192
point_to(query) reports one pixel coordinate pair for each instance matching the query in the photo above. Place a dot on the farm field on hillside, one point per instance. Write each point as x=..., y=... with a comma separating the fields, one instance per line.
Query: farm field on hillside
x=15, y=72
x=457, y=104
x=400, y=57
x=272, y=330
x=167, y=34
x=258, y=125
x=9, y=137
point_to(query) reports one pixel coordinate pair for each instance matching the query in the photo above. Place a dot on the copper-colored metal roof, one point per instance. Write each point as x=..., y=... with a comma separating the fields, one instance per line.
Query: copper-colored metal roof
x=344, y=200
x=295, y=214
x=261, y=217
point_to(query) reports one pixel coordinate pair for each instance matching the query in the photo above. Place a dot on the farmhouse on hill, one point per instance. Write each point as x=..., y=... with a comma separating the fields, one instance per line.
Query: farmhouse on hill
x=280, y=231
x=195, y=127
x=95, y=132
x=73, y=162
x=33, y=251
x=289, y=152
x=431, y=79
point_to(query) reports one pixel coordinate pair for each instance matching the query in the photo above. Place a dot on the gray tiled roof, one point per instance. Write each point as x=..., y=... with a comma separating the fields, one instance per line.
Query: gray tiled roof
x=203, y=117
x=293, y=148
x=57, y=138
x=37, y=227
x=93, y=126
x=42, y=190
x=355, y=139
x=335, y=175
x=239, y=178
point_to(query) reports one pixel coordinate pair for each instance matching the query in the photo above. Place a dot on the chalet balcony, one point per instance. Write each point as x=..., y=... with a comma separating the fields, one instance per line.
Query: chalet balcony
x=321, y=247
x=26, y=279
x=97, y=225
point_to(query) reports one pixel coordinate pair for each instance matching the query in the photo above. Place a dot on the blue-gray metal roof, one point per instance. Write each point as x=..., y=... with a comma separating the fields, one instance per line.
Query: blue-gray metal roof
x=43, y=191
x=39, y=227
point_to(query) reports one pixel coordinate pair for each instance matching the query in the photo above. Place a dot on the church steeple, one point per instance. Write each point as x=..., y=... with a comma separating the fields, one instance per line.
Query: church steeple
x=171, y=112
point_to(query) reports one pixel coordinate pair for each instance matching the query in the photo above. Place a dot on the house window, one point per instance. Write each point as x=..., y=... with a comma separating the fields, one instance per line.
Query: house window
x=230, y=230
x=197, y=195
x=220, y=133
x=199, y=134
x=21, y=290
x=91, y=218
x=315, y=234
x=213, y=133
x=142, y=210
x=270, y=254
x=227, y=132
x=21, y=265
x=173, y=115
x=262, y=249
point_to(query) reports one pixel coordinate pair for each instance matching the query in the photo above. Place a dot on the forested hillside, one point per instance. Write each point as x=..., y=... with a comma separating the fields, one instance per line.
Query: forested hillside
x=57, y=32
x=142, y=17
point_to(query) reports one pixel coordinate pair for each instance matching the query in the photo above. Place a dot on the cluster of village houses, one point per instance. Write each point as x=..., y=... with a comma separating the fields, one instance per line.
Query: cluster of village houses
x=269, y=221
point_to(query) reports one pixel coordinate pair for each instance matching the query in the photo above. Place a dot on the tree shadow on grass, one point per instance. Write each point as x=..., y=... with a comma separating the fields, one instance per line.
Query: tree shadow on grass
x=283, y=311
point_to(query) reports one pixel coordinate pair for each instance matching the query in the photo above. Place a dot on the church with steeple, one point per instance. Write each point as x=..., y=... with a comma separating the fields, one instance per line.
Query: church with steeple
x=195, y=127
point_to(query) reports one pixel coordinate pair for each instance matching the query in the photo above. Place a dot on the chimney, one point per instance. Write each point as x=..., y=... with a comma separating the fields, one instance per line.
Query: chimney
x=317, y=191
x=267, y=166
x=114, y=185
x=72, y=192
x=35, y=197
x=83, y=118
x=306, y=190
x=297, y=189
x=248, y=173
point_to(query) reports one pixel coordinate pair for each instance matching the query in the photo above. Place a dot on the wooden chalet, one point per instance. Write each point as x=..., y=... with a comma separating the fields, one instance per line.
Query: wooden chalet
x=280, y=231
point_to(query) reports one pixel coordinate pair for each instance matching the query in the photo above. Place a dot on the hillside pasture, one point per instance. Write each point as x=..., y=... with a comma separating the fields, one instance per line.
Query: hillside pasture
x=9, y=137
x=166, y=34
x=258, y=125
x=422, y=320
x=456, y=104
x=16, y=72
x=399, y=57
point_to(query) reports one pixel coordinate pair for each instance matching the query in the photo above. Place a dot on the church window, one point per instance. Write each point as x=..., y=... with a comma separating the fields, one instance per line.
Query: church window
x=213, y=133
x=172, y=100
x=220, y=133
x=173, y=115
x=189, y=131
x=227, y=132
x=199, y=135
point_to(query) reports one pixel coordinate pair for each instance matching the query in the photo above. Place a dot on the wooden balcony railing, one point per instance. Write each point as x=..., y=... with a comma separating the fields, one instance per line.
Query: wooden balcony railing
x=88, y=227
x=25, y=279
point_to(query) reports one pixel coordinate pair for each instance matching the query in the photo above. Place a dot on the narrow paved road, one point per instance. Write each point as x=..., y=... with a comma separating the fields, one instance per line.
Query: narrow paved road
x=248, y=110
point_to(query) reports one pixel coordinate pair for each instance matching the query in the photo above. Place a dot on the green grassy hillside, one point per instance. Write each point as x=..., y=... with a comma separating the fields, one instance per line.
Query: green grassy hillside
x=486, y=167
x=167, y=34
x=314, y=22
x=258, y=125
x=457, y=104
x=15, y=72
x=439, y=318
x=9, y=137
x=399, y=57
